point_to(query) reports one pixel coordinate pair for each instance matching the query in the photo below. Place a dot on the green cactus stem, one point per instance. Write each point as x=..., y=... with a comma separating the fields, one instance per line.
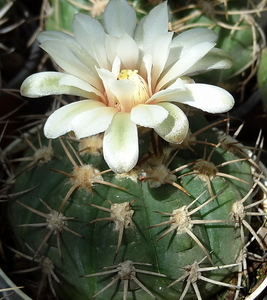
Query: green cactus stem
x=136, y=235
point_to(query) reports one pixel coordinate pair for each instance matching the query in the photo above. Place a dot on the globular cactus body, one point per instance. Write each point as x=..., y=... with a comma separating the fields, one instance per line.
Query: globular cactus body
x=135, y=234
x=170, y=221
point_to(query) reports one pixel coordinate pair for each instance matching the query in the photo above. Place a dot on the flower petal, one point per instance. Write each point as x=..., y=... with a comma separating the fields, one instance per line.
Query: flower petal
x=120, y=144
x=63, y=55
x=125, y=48
x=168, y=93
x=148, y=115
x=186, y=61
x=123, y=90
x=92, y=121
x=116, y=66
x=71, y=80
x=107, y=77
x=54, y=36
x=151, y=26
x=193, y=37
x=90, y=34
x=214, y=59
x=210, y=98
x=160, y=57
x=119, y=18
x=187, y=39
x=145, y=69
x=175, y=127
x=68, y=42
x=59, y=122
x=47, y=83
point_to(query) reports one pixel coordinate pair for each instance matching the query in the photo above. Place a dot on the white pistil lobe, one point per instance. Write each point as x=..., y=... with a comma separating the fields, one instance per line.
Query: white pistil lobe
x=140, y=95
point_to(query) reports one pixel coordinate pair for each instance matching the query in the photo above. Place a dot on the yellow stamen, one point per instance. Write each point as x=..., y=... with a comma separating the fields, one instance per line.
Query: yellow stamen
x=127, y=74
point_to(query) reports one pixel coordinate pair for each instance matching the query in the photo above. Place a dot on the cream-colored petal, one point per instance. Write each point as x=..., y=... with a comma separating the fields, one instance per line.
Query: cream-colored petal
x=119, y=18
x=59, y=122
x=187, y=39
x=120, y=144
x=186, y=61
x=123, y=90
x=125, y=48
x=168, y=93
x=193, y=37
x=111, y=45
x=148, y=115
x=116, y=67
x=146, y=70
x=67, y=41
x=55, y=36
x=175, y=127
x=139, y=33
x=152, y=26
x=160, y=55
x=92, y=121
x=207, y=97
x=90, y=34
x=71, y=80
x=68, y=60
x=107, y=77
x=214, y=59
x=47, y=83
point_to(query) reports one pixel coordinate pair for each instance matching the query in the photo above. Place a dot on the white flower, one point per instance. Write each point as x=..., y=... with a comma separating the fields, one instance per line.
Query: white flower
x=128, y=75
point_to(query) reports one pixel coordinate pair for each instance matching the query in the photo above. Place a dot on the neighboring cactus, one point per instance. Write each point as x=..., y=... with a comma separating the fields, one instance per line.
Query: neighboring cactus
x=262, y=78
x=239, y=34
x=108, y=223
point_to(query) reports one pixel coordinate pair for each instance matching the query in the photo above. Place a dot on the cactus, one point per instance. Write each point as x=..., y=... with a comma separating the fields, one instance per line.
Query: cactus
x=109, y=221
x=237, y=24
x=157, y=211
x=89, y=222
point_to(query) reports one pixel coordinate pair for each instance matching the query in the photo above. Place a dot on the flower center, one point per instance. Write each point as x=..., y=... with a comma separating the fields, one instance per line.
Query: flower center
x=141, y=93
